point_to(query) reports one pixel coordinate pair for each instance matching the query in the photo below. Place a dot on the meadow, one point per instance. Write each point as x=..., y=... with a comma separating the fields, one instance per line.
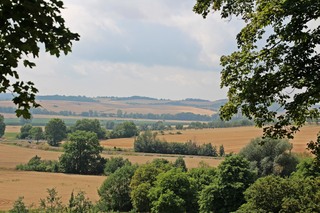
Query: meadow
x=33, y=185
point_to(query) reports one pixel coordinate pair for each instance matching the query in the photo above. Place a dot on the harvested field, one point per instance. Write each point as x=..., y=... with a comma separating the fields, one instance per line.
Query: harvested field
x=233, y=139
x=14, y=155
x=108, y=106
x=33, y=185
x=124, y=143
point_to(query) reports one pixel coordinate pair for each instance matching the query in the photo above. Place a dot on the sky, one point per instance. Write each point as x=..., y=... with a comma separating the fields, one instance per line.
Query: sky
x=157, y=48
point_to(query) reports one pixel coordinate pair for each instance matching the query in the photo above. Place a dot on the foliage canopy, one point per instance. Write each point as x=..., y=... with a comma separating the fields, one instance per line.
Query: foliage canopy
x=90, y=125
x=82, y=154
x=24, y=25
x=55, y=131
x=2, y=126
x=115, y=191
x=270, y=156
x=277, y=61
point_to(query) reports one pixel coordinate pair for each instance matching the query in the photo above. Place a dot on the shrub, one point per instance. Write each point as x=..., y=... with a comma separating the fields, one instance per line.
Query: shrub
x=19, y=206
x=270, y=156
x=147, y=142
x=115, y=163
x=36, y=164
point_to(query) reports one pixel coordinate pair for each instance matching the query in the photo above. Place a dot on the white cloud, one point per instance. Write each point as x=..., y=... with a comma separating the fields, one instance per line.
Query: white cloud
x=126, y=79
x=156, y=48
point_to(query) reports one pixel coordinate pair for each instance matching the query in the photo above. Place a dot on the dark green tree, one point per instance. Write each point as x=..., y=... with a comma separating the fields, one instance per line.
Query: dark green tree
x=221, y=151
x=270, y=156
x=203, y=176
x=276, y=194
x=55, y=131
x=90, y=125
x=36, y=133
x=52, y=203
x=143, y=179
x=110, y=124
x=126, y=129
x=207, y=150
x=24, y=27
x=82, y=154
x=225, y=193
x=115, y=191
x=115, y=163
x=79, y=203
x=314, y=147
x=307, y=168
x=276, y=64
x=2, y=126
x=180, y=163
x=25, y=132
x=159, y=125
x=19, y=206
x=173, y=191
x=179, y=126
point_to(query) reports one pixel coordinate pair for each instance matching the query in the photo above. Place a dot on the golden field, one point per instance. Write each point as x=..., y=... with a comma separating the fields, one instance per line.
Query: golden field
x=33, y=185
x=233, y=139
x=109, y=106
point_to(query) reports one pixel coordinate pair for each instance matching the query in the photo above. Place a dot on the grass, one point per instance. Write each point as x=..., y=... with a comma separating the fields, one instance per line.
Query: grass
x=39, y=121
x=10, y=135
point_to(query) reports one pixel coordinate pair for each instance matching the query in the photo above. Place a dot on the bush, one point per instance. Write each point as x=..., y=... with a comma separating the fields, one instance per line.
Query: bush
x=115, y=191
x=19, y=206
x=52, y=203
x=79, y=203
x=115, y=163
x=124, y=130
x=36, y=164
x=147, y=142
x=270, y=156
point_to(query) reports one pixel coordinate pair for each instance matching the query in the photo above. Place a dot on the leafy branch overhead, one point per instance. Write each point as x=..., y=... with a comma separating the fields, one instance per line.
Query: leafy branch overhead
x=24, y=25
x=277, y=61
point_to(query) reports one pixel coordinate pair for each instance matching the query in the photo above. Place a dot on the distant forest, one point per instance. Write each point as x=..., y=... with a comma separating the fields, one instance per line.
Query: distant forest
x=183, y=116
x=7, y=96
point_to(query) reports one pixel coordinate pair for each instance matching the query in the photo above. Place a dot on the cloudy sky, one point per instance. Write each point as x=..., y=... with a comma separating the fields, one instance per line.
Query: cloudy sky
x=157, y=48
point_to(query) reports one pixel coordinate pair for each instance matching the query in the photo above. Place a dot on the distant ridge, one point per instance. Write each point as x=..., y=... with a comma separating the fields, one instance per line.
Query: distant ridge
x=65, y=98
x=131, y=98
x=196, y=100
x=82, y=98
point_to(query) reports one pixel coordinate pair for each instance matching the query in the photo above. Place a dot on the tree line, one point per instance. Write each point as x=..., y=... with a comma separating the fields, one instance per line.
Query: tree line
x=56, y=130
x=149, y=143
x=183, y=116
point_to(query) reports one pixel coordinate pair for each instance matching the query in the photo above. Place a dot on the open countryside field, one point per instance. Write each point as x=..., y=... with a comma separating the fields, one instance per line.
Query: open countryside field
x=109, y=106
x=33, y=185
x=233, y=139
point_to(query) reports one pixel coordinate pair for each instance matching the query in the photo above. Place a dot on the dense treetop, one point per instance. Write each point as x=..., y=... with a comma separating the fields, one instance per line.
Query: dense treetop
x=24, y=25
x=277, y=61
